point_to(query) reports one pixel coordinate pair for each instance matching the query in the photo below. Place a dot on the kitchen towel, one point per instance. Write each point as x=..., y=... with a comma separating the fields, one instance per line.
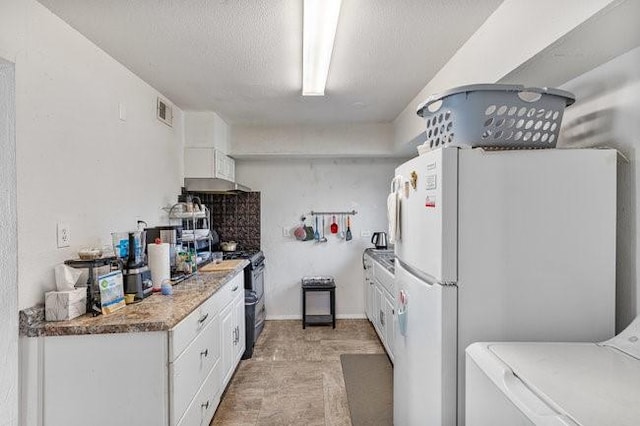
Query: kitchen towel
x=159, y=264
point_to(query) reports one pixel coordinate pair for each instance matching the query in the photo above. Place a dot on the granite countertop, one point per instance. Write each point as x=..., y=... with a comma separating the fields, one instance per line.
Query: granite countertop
x=155, y=313
x=383, y=257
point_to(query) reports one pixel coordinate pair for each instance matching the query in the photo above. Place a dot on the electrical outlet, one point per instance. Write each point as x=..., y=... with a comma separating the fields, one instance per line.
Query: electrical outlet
x=64, y=235
x=365, y=234
x=286, y=232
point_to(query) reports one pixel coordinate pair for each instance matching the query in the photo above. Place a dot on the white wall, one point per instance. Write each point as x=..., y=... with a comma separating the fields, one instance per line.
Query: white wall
x=292, y=187
x=607, y=113
x=8, y=252
x=77, y=162
x=336, y=140
x=515, y=32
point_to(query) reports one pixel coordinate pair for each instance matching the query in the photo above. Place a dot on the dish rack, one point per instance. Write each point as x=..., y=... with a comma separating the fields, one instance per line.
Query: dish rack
x=196, y=228
x=497, y=116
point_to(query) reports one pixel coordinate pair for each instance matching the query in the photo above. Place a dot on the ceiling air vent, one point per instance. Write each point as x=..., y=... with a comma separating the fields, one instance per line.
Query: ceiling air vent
x=164, y=112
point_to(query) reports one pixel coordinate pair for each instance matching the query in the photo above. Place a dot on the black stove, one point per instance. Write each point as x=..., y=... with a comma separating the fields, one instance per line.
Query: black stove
x=254, y=290
x=256, y=257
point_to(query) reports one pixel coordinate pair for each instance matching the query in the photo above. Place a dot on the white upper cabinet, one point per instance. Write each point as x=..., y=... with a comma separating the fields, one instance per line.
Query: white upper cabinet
x=206, y=146
x=225, y=166
x=208, y=163
x=206, y=130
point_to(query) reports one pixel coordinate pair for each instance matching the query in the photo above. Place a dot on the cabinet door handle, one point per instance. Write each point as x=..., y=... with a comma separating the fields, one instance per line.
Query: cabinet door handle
x=382, y=317
x=203, y=318
x=235, y=288
x=205, y=405
x=205, y=353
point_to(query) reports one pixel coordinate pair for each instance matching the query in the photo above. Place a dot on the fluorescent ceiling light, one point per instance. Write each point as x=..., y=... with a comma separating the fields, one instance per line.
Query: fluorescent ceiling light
x=319, y=31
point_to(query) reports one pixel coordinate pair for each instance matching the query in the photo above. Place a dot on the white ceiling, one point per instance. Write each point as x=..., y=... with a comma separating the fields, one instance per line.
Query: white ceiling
x=243, y=59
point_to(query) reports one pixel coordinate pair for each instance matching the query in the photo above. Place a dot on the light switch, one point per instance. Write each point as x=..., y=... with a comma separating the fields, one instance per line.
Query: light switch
x=122, y=108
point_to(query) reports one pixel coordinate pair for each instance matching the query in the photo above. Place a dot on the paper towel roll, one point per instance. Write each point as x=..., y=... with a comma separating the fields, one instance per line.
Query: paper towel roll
x=159, y=264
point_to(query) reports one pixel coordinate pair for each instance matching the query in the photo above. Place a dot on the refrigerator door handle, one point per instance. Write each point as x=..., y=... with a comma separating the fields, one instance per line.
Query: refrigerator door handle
x=422, y=276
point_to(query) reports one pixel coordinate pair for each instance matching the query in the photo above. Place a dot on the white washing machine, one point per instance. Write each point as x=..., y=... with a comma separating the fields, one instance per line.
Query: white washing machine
x=568, y=384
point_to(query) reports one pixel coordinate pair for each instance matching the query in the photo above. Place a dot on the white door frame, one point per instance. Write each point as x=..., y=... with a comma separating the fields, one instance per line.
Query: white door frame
x=8, y=249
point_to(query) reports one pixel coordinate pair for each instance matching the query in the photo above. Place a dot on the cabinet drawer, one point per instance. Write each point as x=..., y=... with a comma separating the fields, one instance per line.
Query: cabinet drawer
x=204, y=404
x=186, y=330
x=230, y=290
x=384, y=277
x=190, y=369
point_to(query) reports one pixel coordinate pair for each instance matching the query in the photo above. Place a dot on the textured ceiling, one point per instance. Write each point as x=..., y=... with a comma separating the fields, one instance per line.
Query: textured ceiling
x=243, y=59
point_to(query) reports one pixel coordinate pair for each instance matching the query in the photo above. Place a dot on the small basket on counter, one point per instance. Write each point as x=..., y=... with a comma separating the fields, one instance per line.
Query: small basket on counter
x=501, y=116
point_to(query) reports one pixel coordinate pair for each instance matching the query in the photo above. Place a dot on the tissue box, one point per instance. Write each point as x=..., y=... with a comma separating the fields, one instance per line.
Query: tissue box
x=65, y=305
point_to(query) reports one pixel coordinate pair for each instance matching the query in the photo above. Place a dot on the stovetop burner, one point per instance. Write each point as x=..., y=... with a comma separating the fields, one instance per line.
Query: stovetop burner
x=254, y=256
x=239, y=254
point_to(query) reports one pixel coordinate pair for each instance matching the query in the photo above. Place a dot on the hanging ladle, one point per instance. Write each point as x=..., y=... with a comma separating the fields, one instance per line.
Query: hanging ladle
x=341, y=234
x=323, y=239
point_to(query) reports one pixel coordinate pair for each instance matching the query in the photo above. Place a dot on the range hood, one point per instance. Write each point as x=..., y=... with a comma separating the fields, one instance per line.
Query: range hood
x=214, y=185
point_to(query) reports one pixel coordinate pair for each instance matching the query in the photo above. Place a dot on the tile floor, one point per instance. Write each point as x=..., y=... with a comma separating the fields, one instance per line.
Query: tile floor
x=295, y=376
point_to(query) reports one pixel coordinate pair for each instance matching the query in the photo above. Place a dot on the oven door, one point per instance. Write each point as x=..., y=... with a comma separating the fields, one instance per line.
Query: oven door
x=255, y=280
x=261, y=313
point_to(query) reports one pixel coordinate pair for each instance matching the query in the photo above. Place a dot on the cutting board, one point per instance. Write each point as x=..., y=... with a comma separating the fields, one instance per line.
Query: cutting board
x=225, y=265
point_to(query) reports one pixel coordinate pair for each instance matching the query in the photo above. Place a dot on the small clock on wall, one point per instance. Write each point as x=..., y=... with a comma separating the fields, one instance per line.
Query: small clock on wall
x=164, y=112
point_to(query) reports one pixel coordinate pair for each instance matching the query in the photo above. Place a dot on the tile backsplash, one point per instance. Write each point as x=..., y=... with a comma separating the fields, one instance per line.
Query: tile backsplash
x=235, y=217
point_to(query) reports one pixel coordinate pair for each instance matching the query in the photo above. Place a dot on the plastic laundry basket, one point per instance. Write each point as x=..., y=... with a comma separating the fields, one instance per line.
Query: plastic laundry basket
x=494, y=116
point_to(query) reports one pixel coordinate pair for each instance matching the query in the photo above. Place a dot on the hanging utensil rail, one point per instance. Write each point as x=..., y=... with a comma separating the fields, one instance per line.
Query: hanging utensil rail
x=352, y=213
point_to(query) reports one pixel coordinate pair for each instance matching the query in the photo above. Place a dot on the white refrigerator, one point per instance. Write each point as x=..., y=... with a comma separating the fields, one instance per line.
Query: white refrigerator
x=496, y=246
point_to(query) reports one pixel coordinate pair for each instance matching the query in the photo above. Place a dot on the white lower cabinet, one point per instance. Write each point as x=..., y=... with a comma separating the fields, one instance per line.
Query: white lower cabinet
x=367, y=263
x=240, y=339
x=233, y=332
x=203, y=406
x=377, y=306
x=380, y=302
x=105, y=379
x=388, y=316
x=228, y=335
x=200, y=373
x=172, y=378
x=189, y=371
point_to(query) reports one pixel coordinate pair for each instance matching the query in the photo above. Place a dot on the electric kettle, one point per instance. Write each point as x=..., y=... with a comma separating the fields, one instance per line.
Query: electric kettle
x=379, y=239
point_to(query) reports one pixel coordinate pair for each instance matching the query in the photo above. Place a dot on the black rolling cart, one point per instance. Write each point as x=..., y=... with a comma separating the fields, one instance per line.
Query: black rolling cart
x=327, y=284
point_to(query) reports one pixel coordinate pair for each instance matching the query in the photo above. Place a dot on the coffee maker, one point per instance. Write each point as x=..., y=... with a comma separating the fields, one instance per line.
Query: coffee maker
x=137, y=276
